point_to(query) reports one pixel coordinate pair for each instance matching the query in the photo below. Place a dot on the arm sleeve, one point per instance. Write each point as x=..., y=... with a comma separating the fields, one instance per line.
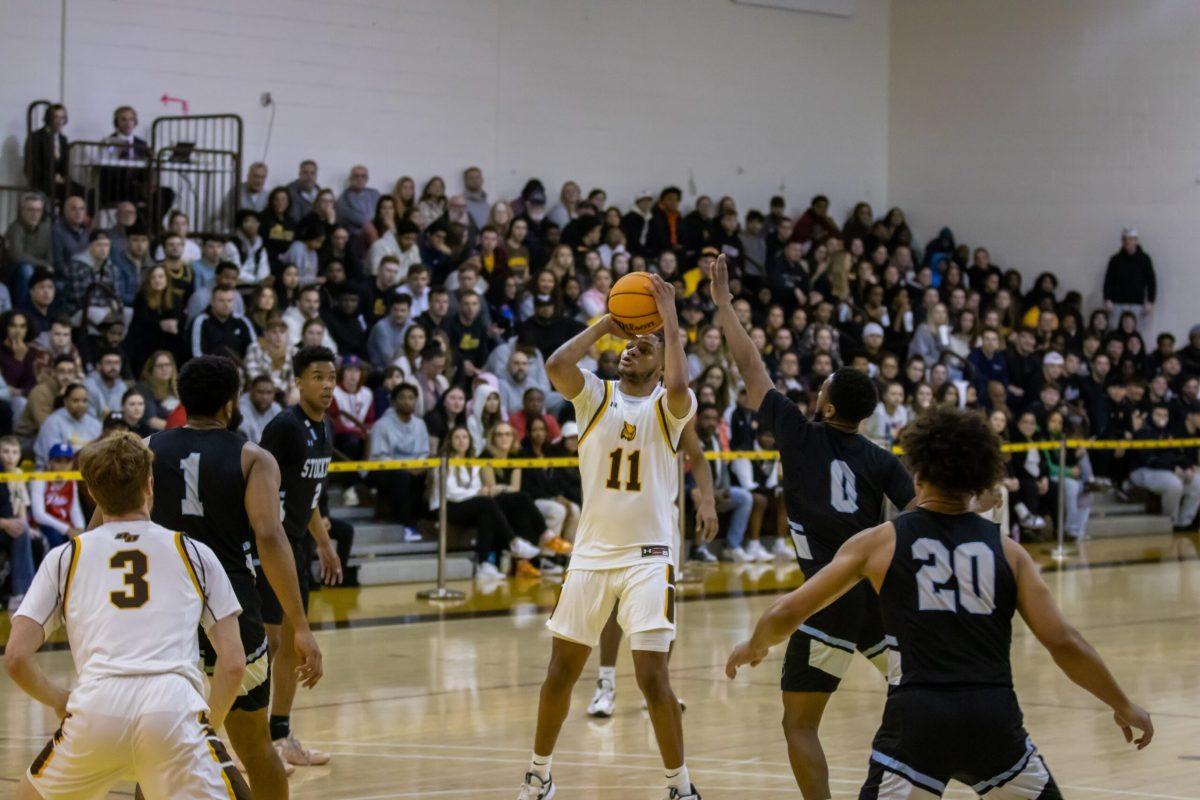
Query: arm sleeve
x=43, y=601
x=588, y=401
x=219, y=600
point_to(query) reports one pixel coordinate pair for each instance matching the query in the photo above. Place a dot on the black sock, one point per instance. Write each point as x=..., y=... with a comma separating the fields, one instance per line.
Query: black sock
x=281, y=727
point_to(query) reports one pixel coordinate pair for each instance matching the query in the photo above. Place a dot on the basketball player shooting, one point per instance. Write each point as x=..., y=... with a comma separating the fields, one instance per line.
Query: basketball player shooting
x=627, y=531
x=949, y=583
x=132, y=596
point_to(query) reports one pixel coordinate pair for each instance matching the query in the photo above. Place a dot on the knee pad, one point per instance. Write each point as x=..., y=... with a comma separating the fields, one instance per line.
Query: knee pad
x=655, y=641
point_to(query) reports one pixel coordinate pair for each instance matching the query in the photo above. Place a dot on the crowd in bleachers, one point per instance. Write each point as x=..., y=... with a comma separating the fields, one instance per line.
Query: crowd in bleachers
x=444, y=306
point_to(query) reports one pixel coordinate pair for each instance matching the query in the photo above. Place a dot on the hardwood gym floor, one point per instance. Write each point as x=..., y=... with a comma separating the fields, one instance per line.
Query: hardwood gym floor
x=423, y=701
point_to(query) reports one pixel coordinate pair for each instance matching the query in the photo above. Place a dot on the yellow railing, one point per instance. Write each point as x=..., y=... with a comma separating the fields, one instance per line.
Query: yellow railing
x=571, y=461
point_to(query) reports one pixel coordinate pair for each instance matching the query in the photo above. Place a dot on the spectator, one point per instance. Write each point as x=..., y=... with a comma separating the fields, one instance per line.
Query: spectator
x=429, y=380
x=46, y=155
x=133, y=413
x=130, y=260
x=28, y=244
x=353, y=415
x=248, y=250
x=815, y=225
x=548, y=328
x=220, y=332
x=988, y=361
x=386, y=340
x=105, y=387
x=16, y=542
x=157, y=317
x=69, y=235
x=17, y=357
x=1167, y=472
x=432, y=203
x=476, y=197
x=252, y=193
x=730, y=498
x=473, y=503
x=303, y=252
x=277, y=226
x=468, y=334
x=450, y=412
x=487, y=410
x=400, y=435
x=179, y=224
x=345, y=323
x=1129, y=281
x=72, y=424
x=87, y=283
x=549, y=491
x=1189, y=355
x=357, y=203
x=258, y=407
x=400, y=244
x=204, y=269
x=409, y=358
x=890, y=417
x=533, y=407
x=302, y=192
x=306, y=308
x=270, y=356
x=1074, y=475
x=225, y=277
x=157, y=386
x=180, y=278
x=666, y=225
x=43, y=398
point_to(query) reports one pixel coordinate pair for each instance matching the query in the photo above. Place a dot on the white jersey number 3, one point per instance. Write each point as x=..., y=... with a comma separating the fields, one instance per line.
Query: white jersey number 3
x=842, y=492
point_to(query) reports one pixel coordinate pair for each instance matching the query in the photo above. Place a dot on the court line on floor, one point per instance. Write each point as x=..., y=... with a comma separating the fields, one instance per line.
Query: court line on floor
x=774, y=776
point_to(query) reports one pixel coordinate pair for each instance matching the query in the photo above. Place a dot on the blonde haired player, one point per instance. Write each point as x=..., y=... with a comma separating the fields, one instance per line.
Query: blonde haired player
x=132, y=595
x=625, y=541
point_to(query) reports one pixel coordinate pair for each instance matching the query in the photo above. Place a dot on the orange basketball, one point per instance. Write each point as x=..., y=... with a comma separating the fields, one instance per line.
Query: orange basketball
x=631, y=303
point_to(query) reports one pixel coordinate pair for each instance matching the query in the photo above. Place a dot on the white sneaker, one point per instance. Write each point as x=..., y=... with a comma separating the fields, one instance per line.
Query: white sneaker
x=757, y=552
x=702, y=554
x=604, y=700
x=549, y=569
x=783, y=550
x=350, y=497
x=487, y=572
x=673, y=794
x=292, y=752
x=536, y=789
x=735, y=554
x=523, y=549
x=411, y=535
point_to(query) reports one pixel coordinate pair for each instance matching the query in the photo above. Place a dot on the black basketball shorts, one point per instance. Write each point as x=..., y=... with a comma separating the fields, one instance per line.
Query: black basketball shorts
x=255, y=693
x=820, y=651
x=272, y=612
x=975, y=735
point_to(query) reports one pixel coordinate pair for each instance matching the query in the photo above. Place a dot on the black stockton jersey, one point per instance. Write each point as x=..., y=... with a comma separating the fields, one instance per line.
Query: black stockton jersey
x=199, y=489
x=948, y=599
x=834, y=483
x=303, y=449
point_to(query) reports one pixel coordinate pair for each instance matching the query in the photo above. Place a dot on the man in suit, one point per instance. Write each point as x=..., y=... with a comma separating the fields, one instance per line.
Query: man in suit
x=46, y=156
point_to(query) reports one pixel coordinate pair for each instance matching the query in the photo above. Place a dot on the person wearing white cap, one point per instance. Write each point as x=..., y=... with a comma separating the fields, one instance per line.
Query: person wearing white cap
x=1130, y=283
x=636, y=222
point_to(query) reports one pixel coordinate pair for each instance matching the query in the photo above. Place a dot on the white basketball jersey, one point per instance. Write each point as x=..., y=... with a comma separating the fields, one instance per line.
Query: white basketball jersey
x=629, y=474
x=132, y=596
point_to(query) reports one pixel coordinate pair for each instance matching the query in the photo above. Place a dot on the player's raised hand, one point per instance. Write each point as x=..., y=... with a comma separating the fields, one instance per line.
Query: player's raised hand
x=718, y=287
x=744, y=653
x=664, y=297
x=309, y=673
x=1135, y=717
x=611, y=327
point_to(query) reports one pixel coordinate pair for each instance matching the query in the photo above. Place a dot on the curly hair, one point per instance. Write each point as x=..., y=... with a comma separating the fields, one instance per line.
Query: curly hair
x=954, y=450
x=207, y=383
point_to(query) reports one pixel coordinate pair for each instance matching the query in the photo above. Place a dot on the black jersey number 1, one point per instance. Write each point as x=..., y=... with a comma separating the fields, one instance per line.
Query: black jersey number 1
x=634, y=484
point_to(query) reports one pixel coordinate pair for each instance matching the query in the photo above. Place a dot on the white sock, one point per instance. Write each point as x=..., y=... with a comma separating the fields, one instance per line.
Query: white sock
x=609, y=674
x=678, y=778
x=540, y=766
